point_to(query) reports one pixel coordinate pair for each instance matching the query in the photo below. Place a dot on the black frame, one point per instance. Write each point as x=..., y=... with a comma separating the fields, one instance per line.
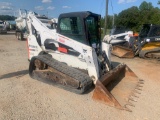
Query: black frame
x=82, y=15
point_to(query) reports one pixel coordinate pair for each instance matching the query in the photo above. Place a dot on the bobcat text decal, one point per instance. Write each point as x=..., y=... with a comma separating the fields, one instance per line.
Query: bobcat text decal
x=62, y=39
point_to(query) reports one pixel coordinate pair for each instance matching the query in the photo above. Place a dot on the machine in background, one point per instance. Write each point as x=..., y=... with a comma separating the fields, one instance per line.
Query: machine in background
x=147, y=45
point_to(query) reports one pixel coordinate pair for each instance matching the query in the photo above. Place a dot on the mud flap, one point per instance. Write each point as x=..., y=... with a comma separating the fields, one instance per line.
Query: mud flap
x=122, y=52
x=118, y=88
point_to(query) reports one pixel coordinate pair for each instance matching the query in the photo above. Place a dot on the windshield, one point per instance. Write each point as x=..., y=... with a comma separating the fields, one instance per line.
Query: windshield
x=92, y=26
x=72, y=28
x=155, y=31
x=144, y=32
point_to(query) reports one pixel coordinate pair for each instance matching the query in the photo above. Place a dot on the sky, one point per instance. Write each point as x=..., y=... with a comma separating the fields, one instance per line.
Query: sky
x=53, y=8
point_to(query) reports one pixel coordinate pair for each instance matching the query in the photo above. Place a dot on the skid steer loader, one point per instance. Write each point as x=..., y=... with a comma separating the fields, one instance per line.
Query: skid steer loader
x=74, y=57
x=118, y=36
x=147, y=45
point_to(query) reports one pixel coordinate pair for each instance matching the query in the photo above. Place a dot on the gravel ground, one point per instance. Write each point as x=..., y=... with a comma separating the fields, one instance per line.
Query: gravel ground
x=22, y=98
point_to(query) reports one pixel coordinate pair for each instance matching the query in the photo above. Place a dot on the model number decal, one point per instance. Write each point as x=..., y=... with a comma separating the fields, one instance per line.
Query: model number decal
x=32, y=46
x=157, y=39
x=61, y=40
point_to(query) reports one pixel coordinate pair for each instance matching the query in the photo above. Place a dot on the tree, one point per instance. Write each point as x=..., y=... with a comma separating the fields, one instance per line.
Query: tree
x=145, y=6
x=155, y=16
x=109, y=21
x=7, y=17
x=128, y=18
x=134, y=17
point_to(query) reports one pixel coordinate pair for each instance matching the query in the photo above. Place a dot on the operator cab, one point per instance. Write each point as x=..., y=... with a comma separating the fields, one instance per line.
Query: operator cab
x=80, y=26
x=150, y=32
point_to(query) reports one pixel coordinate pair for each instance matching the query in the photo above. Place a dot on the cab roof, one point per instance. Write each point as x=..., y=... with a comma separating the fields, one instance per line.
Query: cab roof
x=82, y=14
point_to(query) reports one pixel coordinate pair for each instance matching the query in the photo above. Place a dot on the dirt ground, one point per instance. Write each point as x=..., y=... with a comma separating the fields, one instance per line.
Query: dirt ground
x=23, y=98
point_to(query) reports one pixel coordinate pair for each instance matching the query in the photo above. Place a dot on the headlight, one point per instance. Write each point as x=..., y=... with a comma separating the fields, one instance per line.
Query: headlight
x=147, y=40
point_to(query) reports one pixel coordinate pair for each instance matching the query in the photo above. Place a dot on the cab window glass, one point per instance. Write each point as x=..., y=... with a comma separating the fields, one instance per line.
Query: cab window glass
x=92, y=25
x=155, y=32
x=72, y=28
x=71, y=25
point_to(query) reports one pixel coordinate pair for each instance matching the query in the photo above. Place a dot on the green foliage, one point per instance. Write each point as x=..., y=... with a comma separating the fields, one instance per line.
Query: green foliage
x=7, y=17
x=128, y=18
x=145, y=6
x=134, y=17
x=109, y=22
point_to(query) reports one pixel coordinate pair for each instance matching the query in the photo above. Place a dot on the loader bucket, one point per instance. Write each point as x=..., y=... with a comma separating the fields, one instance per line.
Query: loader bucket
x=122, y=52
x=118, y=88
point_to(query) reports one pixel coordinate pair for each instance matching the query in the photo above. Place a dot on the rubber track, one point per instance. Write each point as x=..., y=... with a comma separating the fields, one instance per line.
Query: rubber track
x=84, y=80
x=144, y=52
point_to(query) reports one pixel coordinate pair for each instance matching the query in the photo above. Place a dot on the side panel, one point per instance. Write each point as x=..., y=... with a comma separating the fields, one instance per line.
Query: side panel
x=33, y=48
x=92, y=63
x=107, y=48
x=87, y=53
x=69, y=60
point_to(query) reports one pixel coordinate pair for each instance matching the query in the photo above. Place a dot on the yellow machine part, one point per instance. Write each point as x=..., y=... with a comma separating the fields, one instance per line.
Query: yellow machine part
x=151, y=45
